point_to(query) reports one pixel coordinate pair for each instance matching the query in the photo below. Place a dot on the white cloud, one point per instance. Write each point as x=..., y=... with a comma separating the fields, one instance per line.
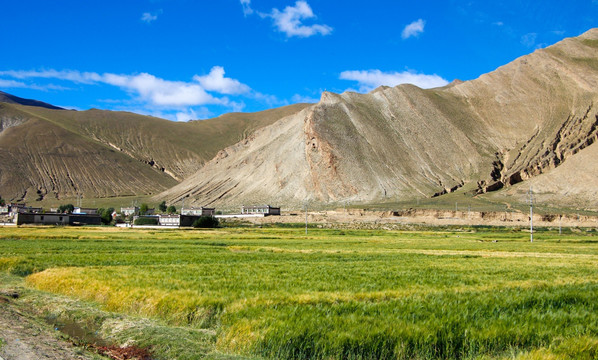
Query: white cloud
x=174, y=100
x=290, y=20
x=12, y=84
x=190, y=114
x=303, y=99
x=413, y=29
x=19, y=84
x=246, y=4
x=148, y=88
x=368, y=80
x=70, y=75
x=529, y=39
x=270, y=100
x=148, y=18
x=215, y=81
x=162, y=92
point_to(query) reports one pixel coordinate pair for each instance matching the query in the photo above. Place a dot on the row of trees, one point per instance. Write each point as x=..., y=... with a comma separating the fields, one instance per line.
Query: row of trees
x=143, y=209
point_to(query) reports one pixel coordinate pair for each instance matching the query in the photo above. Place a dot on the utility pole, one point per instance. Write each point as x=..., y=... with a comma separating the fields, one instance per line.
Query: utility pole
x=305, y=205
x=531, y=214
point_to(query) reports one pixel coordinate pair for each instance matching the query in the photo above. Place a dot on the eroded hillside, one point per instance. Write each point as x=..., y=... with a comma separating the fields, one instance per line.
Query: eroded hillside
x=524, y=119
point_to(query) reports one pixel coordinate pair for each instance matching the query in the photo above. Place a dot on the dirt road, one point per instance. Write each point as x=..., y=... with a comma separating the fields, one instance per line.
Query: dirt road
x=24, y=338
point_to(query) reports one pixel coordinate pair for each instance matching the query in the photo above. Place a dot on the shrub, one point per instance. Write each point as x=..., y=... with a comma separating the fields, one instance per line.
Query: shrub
x=106, y=215
x=67, y=209
x=206, y=222
x=162, y=207
x=171, y=209
x=146, y=221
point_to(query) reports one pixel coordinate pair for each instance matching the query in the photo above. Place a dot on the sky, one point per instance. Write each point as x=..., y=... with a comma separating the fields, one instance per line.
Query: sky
x=195, y=59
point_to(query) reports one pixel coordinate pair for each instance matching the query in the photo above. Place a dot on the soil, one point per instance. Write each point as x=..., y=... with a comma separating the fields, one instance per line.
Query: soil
x=397, y=220
x=25, y=338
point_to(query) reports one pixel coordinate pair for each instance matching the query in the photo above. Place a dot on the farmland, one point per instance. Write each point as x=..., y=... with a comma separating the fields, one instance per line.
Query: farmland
x=276, y=293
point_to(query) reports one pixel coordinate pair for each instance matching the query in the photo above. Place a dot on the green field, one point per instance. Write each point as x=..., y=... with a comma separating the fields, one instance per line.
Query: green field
x=276, y=293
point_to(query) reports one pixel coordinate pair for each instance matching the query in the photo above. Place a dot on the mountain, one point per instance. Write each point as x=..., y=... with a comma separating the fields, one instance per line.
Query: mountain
x=11, y=99
x=523, y=120
x=48, y=153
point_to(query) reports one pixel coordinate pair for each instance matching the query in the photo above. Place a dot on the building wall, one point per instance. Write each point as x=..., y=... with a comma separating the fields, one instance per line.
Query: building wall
x=129, y=211
x=267, y=210
x=57, y=219
x=42, y=219
x=199, y=212
x=188, y=220
x=85, y=219
x=169, y=220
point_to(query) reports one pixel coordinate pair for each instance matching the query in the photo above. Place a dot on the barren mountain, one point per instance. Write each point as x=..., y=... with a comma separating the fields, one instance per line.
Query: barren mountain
x=50, y=153
x=524, y=119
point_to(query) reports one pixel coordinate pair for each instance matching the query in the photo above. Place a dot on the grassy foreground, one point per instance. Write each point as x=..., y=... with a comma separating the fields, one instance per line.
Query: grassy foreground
x=279, y=294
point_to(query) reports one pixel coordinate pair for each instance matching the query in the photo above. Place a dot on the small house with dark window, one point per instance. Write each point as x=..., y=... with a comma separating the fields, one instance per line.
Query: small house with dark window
x=170, y=220
x=260, y=209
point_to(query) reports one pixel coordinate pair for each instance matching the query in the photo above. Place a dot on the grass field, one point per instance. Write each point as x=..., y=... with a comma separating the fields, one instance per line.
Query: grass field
x=276, y=293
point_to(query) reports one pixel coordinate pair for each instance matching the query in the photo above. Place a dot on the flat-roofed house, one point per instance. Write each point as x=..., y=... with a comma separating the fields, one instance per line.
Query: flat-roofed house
x=201, y=211
x=131, y=210
x=16, y=208
x=82, y=210
x=57, y=219
x=170, y=220
x=260, y=209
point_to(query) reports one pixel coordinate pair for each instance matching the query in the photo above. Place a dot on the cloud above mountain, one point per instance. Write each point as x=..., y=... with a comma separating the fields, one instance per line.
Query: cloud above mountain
x=151, y=91
x=368, y=80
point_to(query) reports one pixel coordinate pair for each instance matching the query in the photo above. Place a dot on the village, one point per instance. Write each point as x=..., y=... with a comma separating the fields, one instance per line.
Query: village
x=132, y=216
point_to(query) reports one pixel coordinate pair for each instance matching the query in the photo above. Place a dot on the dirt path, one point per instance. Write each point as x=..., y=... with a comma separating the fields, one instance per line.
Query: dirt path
x=25, y=338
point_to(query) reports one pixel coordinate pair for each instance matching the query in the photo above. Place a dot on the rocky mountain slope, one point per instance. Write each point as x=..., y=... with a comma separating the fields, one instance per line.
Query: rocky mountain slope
x=53, y=153
x=524, y=119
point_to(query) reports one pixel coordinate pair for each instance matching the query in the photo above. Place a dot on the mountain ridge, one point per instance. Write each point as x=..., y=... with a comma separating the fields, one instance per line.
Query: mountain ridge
x=518, y=123
x=12, y=99
x=161, y=152
x=507, y=126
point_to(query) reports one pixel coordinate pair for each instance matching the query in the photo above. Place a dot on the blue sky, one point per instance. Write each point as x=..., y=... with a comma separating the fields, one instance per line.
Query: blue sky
x=186, y=59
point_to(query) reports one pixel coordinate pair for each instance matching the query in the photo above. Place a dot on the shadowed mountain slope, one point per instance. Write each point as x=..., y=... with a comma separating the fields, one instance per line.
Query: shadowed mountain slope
x=522, y=120
x=11, y=99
